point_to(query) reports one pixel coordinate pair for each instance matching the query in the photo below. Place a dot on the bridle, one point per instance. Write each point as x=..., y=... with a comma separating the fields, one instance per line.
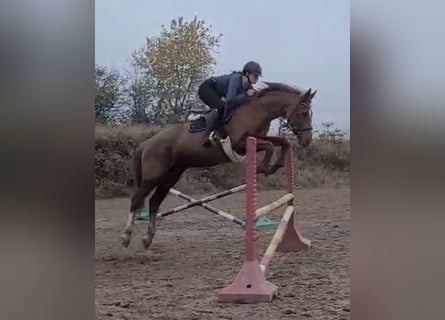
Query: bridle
x=298, y=131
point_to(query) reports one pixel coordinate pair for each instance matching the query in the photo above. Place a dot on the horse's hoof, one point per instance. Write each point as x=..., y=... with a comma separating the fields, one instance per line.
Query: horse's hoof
x=146, y=241
x=125, y=240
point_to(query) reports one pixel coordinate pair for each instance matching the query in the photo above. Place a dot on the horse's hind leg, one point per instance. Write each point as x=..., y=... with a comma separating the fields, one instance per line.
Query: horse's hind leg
x=165, y=183
x=151, y=170
x=137, y=205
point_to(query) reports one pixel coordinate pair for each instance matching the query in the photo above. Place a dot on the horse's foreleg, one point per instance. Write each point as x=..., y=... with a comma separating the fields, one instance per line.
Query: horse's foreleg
x=267, y=146
x=284, y=144
x=240, y=144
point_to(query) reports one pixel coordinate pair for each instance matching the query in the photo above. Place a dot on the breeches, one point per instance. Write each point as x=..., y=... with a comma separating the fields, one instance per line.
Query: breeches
x=208, y=94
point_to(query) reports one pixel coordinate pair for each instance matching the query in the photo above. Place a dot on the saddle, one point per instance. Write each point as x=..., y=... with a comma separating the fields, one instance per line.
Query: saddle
x=198, y=120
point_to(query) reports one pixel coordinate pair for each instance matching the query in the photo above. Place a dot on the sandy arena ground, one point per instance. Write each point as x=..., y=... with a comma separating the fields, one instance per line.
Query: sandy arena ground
x=196, y=253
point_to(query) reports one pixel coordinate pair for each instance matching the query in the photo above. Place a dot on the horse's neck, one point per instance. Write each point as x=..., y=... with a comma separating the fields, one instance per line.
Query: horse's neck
x=255, y=117
x=264, y=111
x=274, y=107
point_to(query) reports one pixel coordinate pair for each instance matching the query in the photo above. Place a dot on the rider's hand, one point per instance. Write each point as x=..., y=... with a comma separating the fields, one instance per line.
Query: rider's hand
x=250, y=92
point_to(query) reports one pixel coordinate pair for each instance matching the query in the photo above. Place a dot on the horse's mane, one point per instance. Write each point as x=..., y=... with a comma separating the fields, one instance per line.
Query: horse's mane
x=277, y=86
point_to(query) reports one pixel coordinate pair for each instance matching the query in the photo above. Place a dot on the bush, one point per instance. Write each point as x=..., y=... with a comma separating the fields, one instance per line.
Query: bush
x=324, y=163
x=114, y=146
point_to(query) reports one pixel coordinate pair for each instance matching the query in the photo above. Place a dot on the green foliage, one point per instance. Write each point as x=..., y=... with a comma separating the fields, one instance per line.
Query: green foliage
x=113, y=149
x=109, y=95
x=140, y=96
x=175, y=62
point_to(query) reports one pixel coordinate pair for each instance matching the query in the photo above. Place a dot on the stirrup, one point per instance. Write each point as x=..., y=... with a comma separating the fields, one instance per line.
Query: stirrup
x=214, y=137
x=209, y=140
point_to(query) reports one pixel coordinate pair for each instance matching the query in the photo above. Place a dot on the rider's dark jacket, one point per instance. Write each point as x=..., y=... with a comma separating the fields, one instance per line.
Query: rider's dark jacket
x=231, y=87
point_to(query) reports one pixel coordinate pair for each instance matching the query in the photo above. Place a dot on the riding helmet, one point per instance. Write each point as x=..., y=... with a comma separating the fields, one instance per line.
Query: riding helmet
x=252, y=67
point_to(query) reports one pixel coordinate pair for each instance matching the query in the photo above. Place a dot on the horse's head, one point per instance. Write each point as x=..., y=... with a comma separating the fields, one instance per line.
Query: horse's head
x=299, y=118
x=282, y=100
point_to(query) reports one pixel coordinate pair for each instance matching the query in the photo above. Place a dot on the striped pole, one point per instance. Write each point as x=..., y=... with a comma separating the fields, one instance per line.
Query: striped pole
x=277, y=238
x=290, y=171
x=209, y=208
x=198, y=202
x=274, y=205
x=251, y=254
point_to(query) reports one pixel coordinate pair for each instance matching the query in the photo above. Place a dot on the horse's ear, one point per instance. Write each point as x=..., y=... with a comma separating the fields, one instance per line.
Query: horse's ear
x=313, y=94
x=307, y=95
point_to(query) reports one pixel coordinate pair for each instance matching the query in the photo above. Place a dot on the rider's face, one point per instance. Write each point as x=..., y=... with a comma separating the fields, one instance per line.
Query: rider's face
x=253, y=78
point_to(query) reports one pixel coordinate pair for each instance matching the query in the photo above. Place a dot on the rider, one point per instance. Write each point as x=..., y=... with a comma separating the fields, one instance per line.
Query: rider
x=235, y=87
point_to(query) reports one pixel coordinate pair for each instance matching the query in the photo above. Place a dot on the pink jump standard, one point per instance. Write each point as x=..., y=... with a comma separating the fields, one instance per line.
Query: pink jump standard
x=251, y=285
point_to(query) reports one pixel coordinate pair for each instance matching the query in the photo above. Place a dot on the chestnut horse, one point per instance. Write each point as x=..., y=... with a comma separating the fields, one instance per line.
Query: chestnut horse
x=160, y=161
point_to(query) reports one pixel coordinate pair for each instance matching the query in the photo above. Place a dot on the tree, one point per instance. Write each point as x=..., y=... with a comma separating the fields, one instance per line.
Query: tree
x=140, y=96
x=176, y=61
x=109, y=95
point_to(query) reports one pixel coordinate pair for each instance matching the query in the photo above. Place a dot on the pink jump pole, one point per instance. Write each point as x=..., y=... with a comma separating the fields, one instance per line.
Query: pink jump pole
x=250, y=285
x=292, y=239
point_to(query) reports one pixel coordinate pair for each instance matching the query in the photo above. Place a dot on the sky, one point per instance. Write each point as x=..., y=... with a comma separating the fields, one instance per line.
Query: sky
x=304, y=43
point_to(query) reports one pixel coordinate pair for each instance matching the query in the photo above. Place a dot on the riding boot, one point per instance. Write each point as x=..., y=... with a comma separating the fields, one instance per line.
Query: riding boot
x=211, y=122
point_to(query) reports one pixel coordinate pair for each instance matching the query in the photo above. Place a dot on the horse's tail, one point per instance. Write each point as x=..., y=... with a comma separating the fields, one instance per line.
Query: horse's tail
x=137, y=167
